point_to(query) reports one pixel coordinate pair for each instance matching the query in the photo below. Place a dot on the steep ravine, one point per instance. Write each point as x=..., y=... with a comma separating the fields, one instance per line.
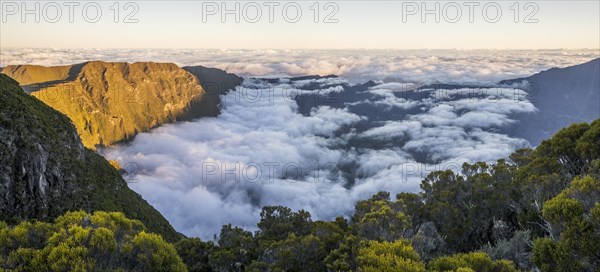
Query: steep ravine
x=45, y=170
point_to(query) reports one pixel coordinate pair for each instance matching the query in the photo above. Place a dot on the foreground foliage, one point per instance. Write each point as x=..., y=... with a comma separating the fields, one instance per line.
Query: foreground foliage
x=537, y=211
x=78, y=241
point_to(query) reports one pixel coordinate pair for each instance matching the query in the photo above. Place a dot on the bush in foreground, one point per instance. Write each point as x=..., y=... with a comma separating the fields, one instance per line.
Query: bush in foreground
x=78, y=241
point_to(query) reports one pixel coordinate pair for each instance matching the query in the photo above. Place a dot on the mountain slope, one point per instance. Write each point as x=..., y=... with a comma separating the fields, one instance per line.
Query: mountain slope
x=563, y=96
x=33, y=74
x=45, y=170
x=111, y=102
x=215, y=82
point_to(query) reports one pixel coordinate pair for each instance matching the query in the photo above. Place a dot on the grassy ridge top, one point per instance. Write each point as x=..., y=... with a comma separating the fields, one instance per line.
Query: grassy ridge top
x=33, y=74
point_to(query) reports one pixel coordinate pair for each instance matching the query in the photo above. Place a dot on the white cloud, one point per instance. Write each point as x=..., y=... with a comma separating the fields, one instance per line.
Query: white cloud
x=205, y=173
x=199, y=174
x=355, y=65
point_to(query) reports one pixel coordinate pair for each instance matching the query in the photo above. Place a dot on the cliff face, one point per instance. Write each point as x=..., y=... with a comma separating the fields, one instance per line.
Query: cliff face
x=45, y=170
x=215, y=82
x=111, y=102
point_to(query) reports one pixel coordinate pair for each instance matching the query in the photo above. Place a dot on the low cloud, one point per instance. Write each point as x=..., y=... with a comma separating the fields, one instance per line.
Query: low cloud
x=355, y=65
x=213, y=171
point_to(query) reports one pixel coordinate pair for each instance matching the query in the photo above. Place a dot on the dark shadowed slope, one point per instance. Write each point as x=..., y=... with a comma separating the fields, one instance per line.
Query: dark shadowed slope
x=45, y=170
x=563, y=96
x=215, y=82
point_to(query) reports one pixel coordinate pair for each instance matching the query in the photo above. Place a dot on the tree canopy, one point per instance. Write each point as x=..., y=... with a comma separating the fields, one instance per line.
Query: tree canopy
x=537, y=210
x=78, y=241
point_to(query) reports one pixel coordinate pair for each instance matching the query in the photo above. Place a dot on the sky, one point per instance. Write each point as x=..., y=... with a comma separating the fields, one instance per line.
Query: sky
x=301, y=24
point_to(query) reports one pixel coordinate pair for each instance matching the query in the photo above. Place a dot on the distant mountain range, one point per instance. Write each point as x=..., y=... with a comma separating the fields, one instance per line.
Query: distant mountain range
x=112, y=102
x=562, y=96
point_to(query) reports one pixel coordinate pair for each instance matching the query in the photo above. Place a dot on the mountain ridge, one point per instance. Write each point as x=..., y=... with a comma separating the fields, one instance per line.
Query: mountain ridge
x=110, y=102
x=47, y=171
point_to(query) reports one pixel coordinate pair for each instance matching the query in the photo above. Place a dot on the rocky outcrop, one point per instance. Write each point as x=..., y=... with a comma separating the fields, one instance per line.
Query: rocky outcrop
x=112, y=102
x=46, y=171
x=215, y=82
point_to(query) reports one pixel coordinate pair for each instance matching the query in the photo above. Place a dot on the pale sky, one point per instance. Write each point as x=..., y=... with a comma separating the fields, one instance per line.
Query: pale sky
x=360, y=24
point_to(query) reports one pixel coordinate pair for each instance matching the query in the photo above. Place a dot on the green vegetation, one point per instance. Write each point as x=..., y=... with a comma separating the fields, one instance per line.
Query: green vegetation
x=46, y=171
x=474, y=261
x=574, y=224
x=78, y=241
x=388, y=256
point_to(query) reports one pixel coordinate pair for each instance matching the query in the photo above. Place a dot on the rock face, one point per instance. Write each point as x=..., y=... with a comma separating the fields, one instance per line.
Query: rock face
x=111, y=102
x=215, y=82
x=45, y=170
x=563, y=96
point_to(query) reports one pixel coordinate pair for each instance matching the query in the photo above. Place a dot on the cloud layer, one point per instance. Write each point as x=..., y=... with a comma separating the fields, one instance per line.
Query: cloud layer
x=262, y=151
x=422, y=66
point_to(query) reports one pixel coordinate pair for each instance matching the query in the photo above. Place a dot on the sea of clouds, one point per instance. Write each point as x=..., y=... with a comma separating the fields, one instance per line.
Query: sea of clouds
x=424, y=66
x=262, y=151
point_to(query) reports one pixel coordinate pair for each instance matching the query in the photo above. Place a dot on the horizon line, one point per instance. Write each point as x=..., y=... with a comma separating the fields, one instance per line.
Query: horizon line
x=283, y=49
